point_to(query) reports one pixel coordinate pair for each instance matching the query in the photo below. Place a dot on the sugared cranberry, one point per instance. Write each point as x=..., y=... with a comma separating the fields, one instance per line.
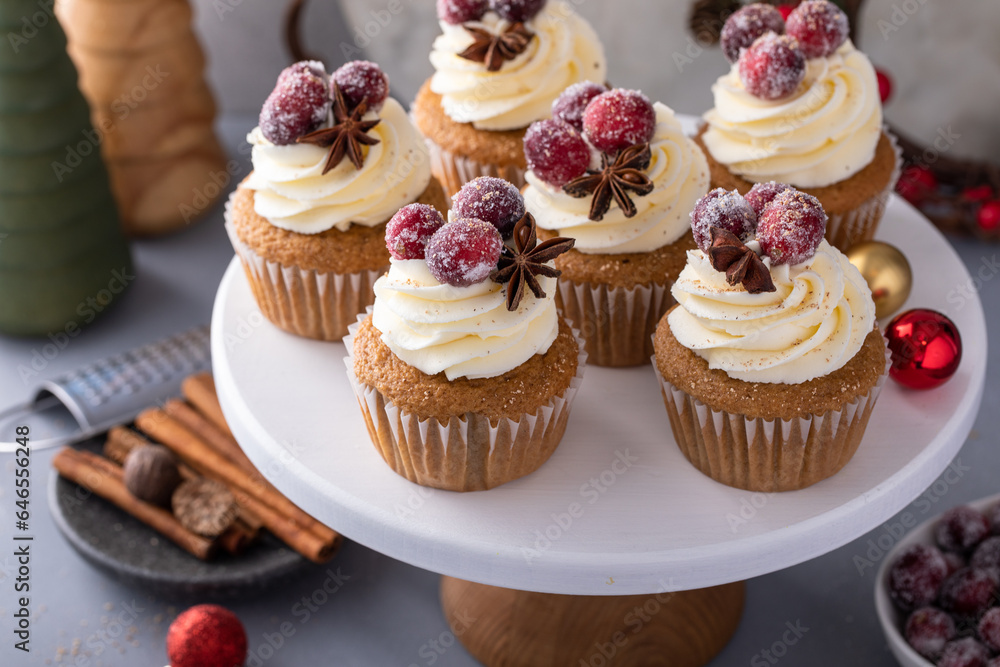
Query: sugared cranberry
x=491, y=199
x=299, y=104
x=762, y=194
x=314, y=66
x=617, y=119
x=772, y=67
x=955, y=562
x=464, y=252
x=969, y=592
x=989, y=628
x=747, y=24
x=995, y=662
x=965, y=652
x=408, y=231
x=960, y=529
x=791, y=227
x=517, y=10
x=916, y=183
x=928, y=630
x=362, y=80
x=820, y=26
x=555, y=152
x=987, y=555
x=461, y=11
x=725, y=209
x=570, y=105
x=916, y=576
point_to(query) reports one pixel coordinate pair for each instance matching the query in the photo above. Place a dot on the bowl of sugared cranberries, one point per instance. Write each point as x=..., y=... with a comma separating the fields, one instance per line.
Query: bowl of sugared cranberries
x=937, y=594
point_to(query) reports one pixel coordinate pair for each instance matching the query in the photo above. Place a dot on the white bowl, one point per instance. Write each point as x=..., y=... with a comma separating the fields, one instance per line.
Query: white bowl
x=889, y=616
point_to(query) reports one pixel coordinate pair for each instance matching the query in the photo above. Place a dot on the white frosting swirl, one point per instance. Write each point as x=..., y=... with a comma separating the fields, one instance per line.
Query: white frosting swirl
x=564, y=51
x=814, y=323
x=680, y=177
x=293, y=193
x=461, y=331
x=824, y=133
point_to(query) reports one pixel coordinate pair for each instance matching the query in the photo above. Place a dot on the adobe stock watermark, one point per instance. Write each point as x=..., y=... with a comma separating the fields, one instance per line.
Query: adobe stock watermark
x=245, y=327
x=30, y=25
x=364, y=34
x=633, y=622
x=747, y=511
x=772, y=655
x=696, y=44
x=962, y=293
x=433, y=649
x=898, y=17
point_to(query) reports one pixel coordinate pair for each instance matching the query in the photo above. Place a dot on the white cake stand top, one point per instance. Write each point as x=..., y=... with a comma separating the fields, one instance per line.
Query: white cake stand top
x=617, y=510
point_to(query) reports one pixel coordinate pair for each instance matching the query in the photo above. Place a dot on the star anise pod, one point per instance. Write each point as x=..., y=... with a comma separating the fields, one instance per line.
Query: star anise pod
x=614, y=180
x=348, y=133
x=519, y=266
x=492, y=49
x=741, y=264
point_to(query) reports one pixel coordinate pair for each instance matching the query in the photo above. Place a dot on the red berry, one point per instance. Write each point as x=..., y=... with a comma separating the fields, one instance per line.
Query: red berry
x=989, y=216
x=617, y=119
x=772, y=67
x=989, y=628
x=762, y=194
x=491, y=199
x=955, y=562
x=987, y=555
x=978, y=193
x=720, y=208
x=884, y=85
x=461, y=11
x=965, y=652
x=791, y=227
x=569, y=106
x=928, y=630
x=408, y=231
x=995, y=662
x=299, y=104
x=362, y=80
x=556, y=153
x=464, y=252
x=960, y=529
x=314, y=66
x=517, y=11
x=916, y=576
x=916, y=183
x=206, y=635
x=786, y=11
x=969, y=592
x=820, y=27
x=747, y=24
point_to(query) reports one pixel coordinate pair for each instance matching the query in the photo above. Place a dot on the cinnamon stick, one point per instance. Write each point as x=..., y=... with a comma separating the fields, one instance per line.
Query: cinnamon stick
x=104, y=478
x=221, y=441
x=200, y=390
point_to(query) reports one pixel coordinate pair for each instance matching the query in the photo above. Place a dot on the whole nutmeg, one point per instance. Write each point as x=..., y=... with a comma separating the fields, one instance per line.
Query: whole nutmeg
x=151, y=473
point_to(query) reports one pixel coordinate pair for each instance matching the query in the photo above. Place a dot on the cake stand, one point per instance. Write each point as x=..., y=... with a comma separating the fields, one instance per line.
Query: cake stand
x=617, y=551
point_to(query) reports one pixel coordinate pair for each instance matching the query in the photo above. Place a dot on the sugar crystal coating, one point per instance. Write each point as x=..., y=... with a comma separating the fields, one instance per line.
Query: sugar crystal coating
x=916, y=576
x=969, y=592
x=362, y=80
x=965, y=652
x=407, y=233
x=772, y=67
x=725, y=209
x=299, y=104
x=819, y=26
x=491, y=199
x=791, y=227
x=960, y=529
x=987, y=554
x=555, y=152
x=989, y=629
x=745, y=25
x=461, y=11
x=517, y=11
x=572, y=102
x=762, y=194
x=464, y=252
x=617, y=119
x=927, y=630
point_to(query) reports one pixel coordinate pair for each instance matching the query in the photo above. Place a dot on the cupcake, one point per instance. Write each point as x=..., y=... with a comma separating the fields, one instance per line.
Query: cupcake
x=802, y=108
x=616, y=173
x=464, y=371
x=772, y=360
x=334, y=157
x=498, y=67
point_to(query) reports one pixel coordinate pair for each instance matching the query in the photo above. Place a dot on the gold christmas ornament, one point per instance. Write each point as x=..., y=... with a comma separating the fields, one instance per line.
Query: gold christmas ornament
x=887, y=272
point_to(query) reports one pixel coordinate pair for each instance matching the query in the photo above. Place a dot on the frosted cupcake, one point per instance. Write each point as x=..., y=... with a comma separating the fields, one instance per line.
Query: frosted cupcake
x=771, y=361
x=334, y=158
x=616, y=173
x=464, y=370
x=498, y=65
x=802, y=108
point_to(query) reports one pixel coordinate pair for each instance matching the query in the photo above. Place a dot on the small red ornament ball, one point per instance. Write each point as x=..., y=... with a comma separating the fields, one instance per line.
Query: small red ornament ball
x=926, y=348
x=884, y=85
x=206, y=635
x=989, y=216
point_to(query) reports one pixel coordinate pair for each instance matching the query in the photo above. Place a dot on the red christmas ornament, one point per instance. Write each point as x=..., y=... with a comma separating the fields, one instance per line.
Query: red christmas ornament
x=925, y=347
x=786, y=9
x=978, y=193
x=915, y=183
x=206, y=636
x=989, y=216
x=884, y=85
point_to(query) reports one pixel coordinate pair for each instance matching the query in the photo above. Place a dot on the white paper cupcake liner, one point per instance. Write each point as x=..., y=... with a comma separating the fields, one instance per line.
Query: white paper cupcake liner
x=454, y=171
x=767, y=455
x=306, y=302
x=468, y=453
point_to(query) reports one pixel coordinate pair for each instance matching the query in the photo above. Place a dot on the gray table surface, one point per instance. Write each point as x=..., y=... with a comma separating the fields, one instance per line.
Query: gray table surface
x=387, y=612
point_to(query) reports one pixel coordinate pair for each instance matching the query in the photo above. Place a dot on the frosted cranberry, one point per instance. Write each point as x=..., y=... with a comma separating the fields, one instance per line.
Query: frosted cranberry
x=464, y=252
x=916, y=576
x=517, y=11
x=955, y=562
x=311, y=66
x=960, y=529
x=820, y=26
x=618, y=119
x=569, y=106
x=461, y=11
x=762, y=194
x=995, y=662
x=989, y=628
x=746, y=25
x=772, y=67
x=408, y=231
x=721, y=208
x=491, y=199
x=791, y=227
x=987, y=555
x=555, y=152
x=928, y=630
x=965, y=652
x=969, y=592
x=299, y=104
x=362, y=80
